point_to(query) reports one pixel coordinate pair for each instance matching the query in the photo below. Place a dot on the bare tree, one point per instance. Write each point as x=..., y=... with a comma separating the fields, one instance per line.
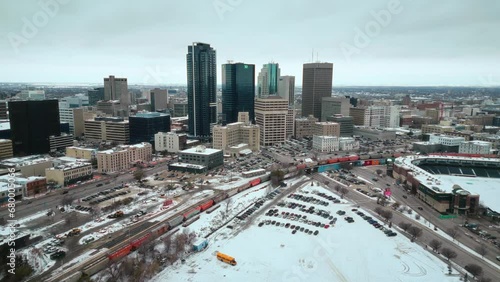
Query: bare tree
x=114, y=271
x=396, y=205
x=139, y=174
x=229, y=205
x=404, y=225
x=482, y=250
x=414, y=232
x=448, y=253
x=474, y=269
x=454, y=232
x=379, y=210
x=344, y=191
x=337, y=188
x=435, y=245
x=387, y=215
x=67, y=200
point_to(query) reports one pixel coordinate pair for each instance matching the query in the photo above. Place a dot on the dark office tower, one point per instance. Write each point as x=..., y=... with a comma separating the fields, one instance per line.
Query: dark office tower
x=32, y=122
x=316, y=84
x=143, y=126
x=201, y=80
x=97, y=94
x=238, y=91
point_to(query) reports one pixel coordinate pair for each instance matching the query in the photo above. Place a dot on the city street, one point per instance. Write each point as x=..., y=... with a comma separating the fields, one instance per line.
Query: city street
x=428, y=233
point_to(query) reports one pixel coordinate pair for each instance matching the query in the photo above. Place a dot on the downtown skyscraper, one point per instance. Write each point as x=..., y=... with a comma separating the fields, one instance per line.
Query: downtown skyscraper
x=316, y=84
x=202, y=88
x=267, y=84
x=238, y=91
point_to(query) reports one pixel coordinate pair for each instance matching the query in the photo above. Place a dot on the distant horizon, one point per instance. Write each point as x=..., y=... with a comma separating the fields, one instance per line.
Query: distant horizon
x=218, y=85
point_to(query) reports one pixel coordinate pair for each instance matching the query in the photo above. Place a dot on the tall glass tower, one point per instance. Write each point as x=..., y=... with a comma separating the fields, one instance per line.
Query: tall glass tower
x=268, y=80
x=202, y=89
x=238, y=91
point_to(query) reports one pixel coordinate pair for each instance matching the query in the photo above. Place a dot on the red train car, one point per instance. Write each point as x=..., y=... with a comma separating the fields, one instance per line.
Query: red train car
x=396, y=155
x=367, y=163
x=255, y=182
x=301, y=166
x=344, y=159
x=160, y=231
x=139, y=242
x=206, y=205
x=332, y=161
x=120, y=253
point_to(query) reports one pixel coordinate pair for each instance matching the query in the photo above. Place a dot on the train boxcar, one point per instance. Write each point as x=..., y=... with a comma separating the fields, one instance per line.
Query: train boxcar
x=232, y=192
x=220, y=197
x=189, y=222
x=160, y=230
x=387, y=155
x=375, y=162
x=301, y=166
x=322, y=162
x=206, y=205
x=96, y=266
x=265, y=178
x=120, y=253
x=191, y=213
x=396, y=155
x=243, y=187
x=255, y=182
x=139, y=242
x=375, y=156
x=175, y=221
x=332, y=160
x=213, y=208
x=343, y=159
x=353, y=158
x=364, y=157
x=369, y=162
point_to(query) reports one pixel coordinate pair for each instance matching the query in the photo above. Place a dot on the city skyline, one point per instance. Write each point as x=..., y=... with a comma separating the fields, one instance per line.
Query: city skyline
x=384, y=43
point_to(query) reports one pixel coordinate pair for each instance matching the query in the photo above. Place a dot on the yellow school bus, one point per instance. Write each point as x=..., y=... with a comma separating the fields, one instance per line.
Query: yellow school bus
x=225, y=258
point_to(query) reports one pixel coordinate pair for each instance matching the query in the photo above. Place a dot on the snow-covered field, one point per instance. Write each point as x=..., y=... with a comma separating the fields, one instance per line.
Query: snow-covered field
x=346, y=252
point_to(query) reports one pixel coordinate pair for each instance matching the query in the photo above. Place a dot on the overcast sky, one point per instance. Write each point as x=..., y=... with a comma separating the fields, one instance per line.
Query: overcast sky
x=446, y=42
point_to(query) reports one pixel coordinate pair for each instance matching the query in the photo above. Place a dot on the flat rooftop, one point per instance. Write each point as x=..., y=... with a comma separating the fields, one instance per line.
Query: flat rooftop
x=198, y=151
x=186, y=165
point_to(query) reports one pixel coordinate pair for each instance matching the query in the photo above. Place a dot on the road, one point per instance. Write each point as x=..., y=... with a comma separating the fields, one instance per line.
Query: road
x=367, y=204
x=54, y=198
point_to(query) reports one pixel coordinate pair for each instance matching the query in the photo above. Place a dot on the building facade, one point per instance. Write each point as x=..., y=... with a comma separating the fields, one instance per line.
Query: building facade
x=202, y=89
x=475, y=147
x=81, y=153
x=271, y=115
x=3, y=110
x=326, y=129
x=72, y=116
x=30, y=132
x=304, y=127
x=170, y=142
x=225, y=137
x=325, y=143
x=123, y=157
x=6, y=149
x=70, y=173
x=117, y=89
x=286, y=88
x=32, y=94
x=346, y=124
x=60, y=142
x=209, y=158
x=144, y=126
x=108, y=129
x=95, y=95
x=238, y=91
x=331, y=106
x=158, y=99
x=316, y=84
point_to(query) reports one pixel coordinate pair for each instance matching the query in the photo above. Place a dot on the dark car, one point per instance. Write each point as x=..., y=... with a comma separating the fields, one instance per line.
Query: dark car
x=316, y=232
x=420, y=208
x=58, y=254
x=294, y=231
x=65, y=192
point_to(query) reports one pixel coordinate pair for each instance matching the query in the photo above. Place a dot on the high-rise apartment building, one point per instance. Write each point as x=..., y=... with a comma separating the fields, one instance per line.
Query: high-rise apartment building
x=123, y=157
x=316, y=84
x=346, y=124
x=304, y=127
x=117, y=89
x=271, y=115
x=334, y=106
x=238, y=91
x=72, y=116
x=224, y=137
x=376, y=116
x=144, y=126
x=31, y=124
x=158, y=99
x=202, y=88
x=326, y=129
x=267, y=81
x=286, y=88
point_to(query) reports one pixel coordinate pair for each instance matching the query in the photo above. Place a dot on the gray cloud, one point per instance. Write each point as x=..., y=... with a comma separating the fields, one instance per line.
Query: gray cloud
x=427, y=43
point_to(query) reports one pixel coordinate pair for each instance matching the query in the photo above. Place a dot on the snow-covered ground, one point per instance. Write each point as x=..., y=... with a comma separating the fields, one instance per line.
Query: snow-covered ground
x=346, y=252
x=443, y=234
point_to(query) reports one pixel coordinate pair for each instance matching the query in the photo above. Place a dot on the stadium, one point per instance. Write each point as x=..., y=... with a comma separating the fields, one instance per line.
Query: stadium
x=452, y=184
